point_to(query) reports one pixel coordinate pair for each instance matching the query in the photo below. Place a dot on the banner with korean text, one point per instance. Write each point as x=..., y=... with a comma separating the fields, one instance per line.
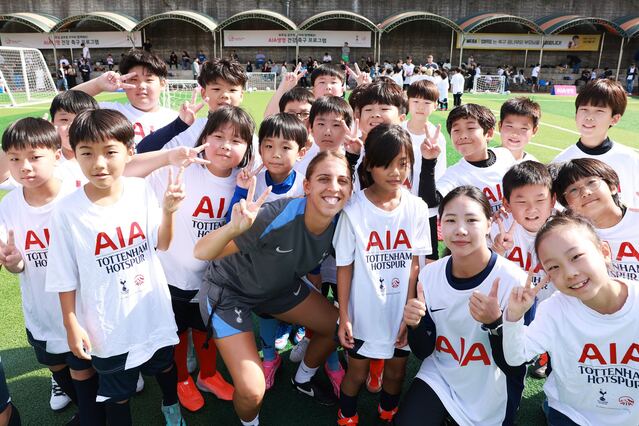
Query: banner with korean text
x=94, y=40
x=274, y=38
x=567, y=42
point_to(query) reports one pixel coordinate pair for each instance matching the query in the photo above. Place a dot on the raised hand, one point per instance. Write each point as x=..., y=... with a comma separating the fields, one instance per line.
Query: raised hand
x=291, y=79
x=10, y=256
x=245, y=175
x=430, y=148
x=485, y=308
x=345, y=333
x=183, y=156
x=352, y=142
x=504, y=241
x=360, y=77
x=189, y=110
x=174, y=192
x=245, y=211
x=522, y=298
x=415, y=309
x=111, y=81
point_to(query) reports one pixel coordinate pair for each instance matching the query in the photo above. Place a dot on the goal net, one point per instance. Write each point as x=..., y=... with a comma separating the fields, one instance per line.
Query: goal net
x=24, y=77
x=489, y=84
x=261, y=81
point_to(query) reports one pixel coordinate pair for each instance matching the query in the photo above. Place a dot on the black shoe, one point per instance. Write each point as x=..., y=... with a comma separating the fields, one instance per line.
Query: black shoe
x=315, y=390
x=74, y=421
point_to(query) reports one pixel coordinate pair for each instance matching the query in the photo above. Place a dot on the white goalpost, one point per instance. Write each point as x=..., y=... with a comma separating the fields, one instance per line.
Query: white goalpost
x=24, y=77
x=489, y=84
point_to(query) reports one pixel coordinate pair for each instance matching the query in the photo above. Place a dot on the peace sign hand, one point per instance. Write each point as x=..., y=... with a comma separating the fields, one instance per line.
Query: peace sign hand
x=415, y=308
x=504, y=241
x=522, y=298
x=430, y=147
x=183, y=156
x=352, y=142
x=291, y=79
x=360, y=77
x=111, y=81
x=245, y=175
x=484, y=308
x=189, y=110
x=10, y=256
x=174, y=192
x=245, y=211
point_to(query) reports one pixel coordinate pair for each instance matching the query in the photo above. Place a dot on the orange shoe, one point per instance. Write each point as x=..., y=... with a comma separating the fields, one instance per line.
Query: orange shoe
x=341, y=420
x=190, y=398
x=375, y=373
x=386, y=416
x=217, y=386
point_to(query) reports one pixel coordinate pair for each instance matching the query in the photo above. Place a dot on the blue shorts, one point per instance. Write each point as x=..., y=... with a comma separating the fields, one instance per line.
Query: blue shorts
x=5, y=399
x=119, y=384
x=49, y=359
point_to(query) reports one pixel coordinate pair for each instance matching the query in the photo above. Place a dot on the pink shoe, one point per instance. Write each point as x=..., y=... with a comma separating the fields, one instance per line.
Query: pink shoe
x=270, y=368
x=335, y=377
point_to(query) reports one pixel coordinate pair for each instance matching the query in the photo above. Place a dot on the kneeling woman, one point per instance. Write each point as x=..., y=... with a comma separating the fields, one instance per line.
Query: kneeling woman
x=259, y=259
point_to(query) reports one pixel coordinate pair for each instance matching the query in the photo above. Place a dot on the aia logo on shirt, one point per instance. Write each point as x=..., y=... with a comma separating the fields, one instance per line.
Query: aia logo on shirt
x=494, y=195
x=474, y=353
x=138, y=130
x=524, y=261
x=390, y=242
x=104, y=241
x=205, y=207
x=626, y=249
x=34, y=241
x=592, y=352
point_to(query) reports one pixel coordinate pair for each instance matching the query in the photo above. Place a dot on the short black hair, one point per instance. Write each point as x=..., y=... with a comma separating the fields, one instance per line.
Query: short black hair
x=232, y=72
x=603, y=92
x=423, y=89
x=100, y=125
x=151, y=62
x=30, y=132
x=331, y=105
x=73, y=102
x=471, y=192
x=353, y=99
x=296, y=94
x=526, y=173
x=484, y=116
x=286, y=126
x=571, y=171
x=383, y=144
x=329, y=70
x=383, y=91
x=522, y=106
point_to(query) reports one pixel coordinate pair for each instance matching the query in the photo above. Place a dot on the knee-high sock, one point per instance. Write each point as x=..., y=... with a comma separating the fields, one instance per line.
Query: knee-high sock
x=206, y=356
x=179, y=356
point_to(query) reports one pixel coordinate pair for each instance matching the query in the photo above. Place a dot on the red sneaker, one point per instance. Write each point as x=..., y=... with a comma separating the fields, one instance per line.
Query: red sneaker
x=217, y=386
x=386, y=416
x=188, y=395
x=341, y=420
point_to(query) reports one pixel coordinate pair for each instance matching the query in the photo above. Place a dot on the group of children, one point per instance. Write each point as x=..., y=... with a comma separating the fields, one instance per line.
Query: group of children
x=141, y=269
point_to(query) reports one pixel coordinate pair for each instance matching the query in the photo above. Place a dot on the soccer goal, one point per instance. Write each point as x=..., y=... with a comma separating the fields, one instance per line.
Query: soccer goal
x=176, y=92
x=24, y=77
x=261, y=81
x=489, y=84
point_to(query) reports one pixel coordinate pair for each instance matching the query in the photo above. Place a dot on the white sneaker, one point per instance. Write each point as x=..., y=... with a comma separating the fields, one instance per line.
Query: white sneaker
x=59, y=399
x=299, y=350
x=139, y=386
x=191, y=360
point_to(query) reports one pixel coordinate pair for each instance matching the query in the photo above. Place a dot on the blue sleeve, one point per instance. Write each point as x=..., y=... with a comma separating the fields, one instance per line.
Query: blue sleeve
x=239, y=194
x=156, y=140
x=422, y=338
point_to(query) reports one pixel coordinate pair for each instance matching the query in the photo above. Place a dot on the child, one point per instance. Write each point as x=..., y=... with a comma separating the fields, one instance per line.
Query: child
x=442, y=86
x=455, y=324
x=298, y=101
x=600, y=105
x=229, y=130
x=367, y=284
x=143, y=77
x=457, y=85
x=32, y=147
x=589, y=188
x=589, y=328
x=518, y=124
x=471, y=127
x=102, y=248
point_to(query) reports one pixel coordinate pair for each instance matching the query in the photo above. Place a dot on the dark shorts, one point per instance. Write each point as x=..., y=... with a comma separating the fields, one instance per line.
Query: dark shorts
x=534, y=80
x=398, y=353
x=49, y=359
x=187, y=313
x=230, y=314
x=119, y=384
x=5, y=399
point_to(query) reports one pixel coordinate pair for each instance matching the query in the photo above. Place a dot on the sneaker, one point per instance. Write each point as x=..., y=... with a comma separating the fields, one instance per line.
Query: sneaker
x=74, y=421
x=341, y=420
x=335, y=377
x=386, y=416
x=299, y=335
x=314, y=390
x=299, y=351
x=375, y=374
x=217, y=386
x=189, y=396
x=59, y=400
x=283, y=331
x=270, y=368
x=173, y=416
x=538, y=369
x=139, y=386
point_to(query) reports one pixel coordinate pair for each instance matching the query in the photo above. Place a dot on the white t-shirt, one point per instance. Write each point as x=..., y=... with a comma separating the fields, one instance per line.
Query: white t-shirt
x=398, y=78
x=382, y=245
x=595, y=357
x=461, y=370
x=203, y=209
x=144, y=123
x=488, y=179
x=107, y=255
x=296, y=190
x=440, y=167
x=623, y=240
x=31, y=227
x=9, y=184
x=457, y=83
x=442, y=87
x=70, y=171
x=302, y=165
x=535, y=72
x=624, y=160
x=527, y=156
x=409, y=69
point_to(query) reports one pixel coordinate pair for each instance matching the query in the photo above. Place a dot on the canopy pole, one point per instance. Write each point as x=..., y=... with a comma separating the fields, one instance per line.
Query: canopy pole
x=603, y=38
x=461, y=49
x=541, y=51
x=619, y=60
x=452, y=40
x=214, y=44
x=379, y=47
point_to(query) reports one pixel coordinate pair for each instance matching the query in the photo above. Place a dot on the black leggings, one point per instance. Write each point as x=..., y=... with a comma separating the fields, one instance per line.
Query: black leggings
x=421, y=402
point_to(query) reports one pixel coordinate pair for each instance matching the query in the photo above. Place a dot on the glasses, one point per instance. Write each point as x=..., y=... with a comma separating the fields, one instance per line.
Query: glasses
x=592, y=185
x=301, y=115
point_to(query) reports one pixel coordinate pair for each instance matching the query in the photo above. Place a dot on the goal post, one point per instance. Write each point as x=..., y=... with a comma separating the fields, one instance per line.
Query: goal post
x=24, y=77
x=489, y=84
x=261, y=81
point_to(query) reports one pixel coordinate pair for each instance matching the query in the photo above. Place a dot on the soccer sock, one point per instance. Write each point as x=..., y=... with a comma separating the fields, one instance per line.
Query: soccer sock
x=254, y=422
x=309, y=333
x=347, y=404
x=91, y=411
x=268, y=330
x=118, y=413
x=168, y=385
x=63, y=378
x=14, y=420
x=332, y=362
x=304, y=373
x=179, y=356
x=387, y=401
x=206, y=356
x=376, y=367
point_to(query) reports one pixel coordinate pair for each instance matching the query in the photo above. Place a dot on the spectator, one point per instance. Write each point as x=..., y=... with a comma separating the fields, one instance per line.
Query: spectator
x=260, y=60
x=369, y=62
x=447, y=65
x=201, y=56
x=267, y=66
x=249, y=67
x=147, y=45
x=195, y=67
x=346, y=53
x=327, y=59
x=173, y=59
x=631, y=74
x=283, y=68
x=234, y=56
x=574, y=62
x=85, y=70
x=186, y=60
x=109, y=61
x=519, y=77
x=430, y=64
x=71, y=76
x=409, y=70
x=534, y=76
x=64, y=61
x=86, y=54
x=62, y=82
